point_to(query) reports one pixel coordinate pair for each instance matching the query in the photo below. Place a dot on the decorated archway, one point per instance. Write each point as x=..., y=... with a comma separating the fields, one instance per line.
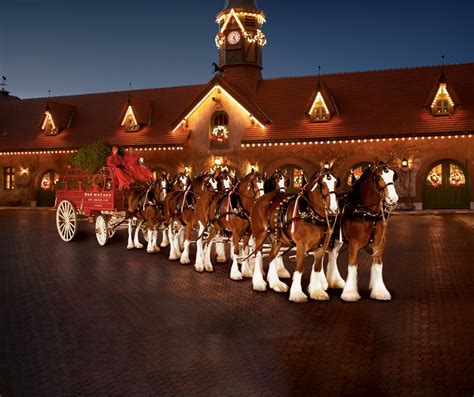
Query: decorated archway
x=47, y=188
x=446, y=185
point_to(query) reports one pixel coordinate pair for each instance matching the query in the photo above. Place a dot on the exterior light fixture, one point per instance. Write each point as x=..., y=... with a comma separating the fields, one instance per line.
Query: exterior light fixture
x=218, y=161
x=405, y=163
x=326, y=165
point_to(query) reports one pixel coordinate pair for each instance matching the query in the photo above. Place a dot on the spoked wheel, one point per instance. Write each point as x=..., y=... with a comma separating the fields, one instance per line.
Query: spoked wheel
x=66, y=220
x=102, y=231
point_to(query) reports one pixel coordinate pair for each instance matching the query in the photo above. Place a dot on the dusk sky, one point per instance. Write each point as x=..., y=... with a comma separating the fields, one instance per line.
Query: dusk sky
x=81, y=46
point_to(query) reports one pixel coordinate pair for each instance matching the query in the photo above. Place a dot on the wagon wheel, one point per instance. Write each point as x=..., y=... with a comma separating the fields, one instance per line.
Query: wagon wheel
x=66, y=220
x=102, y=230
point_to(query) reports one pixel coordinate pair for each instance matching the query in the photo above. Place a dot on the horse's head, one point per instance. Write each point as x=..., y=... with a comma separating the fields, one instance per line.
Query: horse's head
x=181, y=181
x=327, y=183
x=385, y=178
x=252, y=183
x=225, y=181
x=277, y=182
x=210, y=184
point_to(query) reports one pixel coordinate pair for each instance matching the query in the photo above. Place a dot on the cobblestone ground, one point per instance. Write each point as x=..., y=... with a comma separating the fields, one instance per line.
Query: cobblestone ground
x=81, y=319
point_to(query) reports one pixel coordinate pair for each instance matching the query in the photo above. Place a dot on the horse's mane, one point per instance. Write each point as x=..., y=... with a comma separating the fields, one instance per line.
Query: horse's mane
x=354, y=193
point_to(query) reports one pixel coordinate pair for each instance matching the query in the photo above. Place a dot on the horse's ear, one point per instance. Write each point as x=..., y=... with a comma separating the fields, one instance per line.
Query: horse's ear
x=338, y=183
x=303, y=181
x=395, y=176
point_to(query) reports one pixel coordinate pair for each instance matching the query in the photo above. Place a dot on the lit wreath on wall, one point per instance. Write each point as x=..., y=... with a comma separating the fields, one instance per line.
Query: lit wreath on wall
x=220, y=135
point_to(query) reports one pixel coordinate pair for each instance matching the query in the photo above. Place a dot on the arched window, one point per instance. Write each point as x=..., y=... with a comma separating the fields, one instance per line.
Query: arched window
x=219, y=135
x=355, y=173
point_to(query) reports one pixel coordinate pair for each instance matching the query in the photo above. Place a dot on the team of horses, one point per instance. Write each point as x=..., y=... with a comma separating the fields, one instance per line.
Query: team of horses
x=260, y=218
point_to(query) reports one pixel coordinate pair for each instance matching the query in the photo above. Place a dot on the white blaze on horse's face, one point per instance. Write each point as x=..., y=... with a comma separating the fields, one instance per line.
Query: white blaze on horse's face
x=183, y=180
x=260, y=185
x=281, y=183
x=391, y=196
x=227, y=183
x=331, y=181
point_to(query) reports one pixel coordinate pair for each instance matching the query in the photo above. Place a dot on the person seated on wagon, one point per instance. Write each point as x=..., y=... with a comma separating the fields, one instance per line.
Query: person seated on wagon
x=116, y=162
x=136, y=166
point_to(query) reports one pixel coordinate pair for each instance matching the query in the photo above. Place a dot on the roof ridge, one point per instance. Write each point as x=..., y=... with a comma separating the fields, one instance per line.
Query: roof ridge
x=372, y=71
x=114, y=92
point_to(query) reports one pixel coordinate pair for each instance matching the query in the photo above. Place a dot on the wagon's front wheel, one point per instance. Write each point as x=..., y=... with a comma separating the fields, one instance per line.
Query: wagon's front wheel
x=66, y=220
x=102, y=232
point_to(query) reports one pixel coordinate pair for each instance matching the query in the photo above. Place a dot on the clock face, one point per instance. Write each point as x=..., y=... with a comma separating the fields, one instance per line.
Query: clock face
x=233, y=37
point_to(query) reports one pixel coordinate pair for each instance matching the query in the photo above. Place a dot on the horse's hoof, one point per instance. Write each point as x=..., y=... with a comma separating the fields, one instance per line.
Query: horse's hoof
x=152, y=251
x=164, y=245
x=138, y=246
x=199, y=268
x=221, y=259
x=337, y=284
x=381, y=295
x=130, y=247
x=283, y=273
x=156, y=249
x=260, y=286
x=236, y=276
x=350, y=296
x=173, y=257
x=319, y=295
x=185, y=261
x=279, y=287
x=209, y=268
x=298, y=297
x=247, y=273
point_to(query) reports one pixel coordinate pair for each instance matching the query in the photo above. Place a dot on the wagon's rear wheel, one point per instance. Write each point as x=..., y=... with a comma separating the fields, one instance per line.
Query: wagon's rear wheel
x=102, y=231
x=66, y=220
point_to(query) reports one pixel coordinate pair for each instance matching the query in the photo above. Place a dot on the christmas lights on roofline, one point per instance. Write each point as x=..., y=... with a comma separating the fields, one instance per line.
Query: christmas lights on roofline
x=69, y=151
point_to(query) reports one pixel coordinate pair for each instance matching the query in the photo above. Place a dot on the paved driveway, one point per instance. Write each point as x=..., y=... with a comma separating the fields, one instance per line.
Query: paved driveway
x=82, y=319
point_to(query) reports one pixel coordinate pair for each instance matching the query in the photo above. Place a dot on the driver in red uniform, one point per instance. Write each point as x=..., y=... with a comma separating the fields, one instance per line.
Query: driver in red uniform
x=136, y=166
x=116, y=162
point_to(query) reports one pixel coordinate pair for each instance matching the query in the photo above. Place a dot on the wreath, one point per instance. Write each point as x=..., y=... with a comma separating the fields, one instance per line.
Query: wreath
x=220, y=134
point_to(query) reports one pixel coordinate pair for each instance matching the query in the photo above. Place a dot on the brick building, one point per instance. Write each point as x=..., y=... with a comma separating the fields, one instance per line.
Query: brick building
x=421, y=119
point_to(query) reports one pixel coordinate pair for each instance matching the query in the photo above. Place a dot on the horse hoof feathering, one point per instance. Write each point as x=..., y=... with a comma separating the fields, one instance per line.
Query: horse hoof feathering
x=350, y=296
x=298, y=297
x=199, y=268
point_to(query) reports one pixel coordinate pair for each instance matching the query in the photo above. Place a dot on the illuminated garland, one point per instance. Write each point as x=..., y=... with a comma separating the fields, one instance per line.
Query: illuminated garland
x=220, y=134
x=220, y=40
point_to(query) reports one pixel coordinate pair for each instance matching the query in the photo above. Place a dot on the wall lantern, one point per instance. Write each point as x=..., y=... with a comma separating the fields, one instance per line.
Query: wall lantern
x=23, y=171
x=187, y=170
x=404, y=163
x=218, y=161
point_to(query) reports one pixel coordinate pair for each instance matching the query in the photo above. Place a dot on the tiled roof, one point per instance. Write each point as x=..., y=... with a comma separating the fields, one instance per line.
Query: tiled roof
x=370, y=104
x=97, y=117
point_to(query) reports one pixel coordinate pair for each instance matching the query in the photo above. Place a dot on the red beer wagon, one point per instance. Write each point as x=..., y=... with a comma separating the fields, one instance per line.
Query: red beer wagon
x=81, y=195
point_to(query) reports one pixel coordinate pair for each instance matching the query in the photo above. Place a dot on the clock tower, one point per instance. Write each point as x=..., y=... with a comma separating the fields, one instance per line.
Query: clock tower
x=240, y=41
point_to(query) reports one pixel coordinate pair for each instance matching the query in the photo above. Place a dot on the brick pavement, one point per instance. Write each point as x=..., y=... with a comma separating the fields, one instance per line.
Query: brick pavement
x=87, y=320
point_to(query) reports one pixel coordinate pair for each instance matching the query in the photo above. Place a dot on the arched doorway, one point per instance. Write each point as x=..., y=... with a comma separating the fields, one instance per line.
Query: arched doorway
x=296, y=176
x=47, y=188
x=157, y=172
x=446, y=185
x=354, y=173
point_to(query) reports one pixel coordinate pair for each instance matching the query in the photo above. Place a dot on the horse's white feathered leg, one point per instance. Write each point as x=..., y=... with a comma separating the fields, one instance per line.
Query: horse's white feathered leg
x=334, y=277
x=220, y=250
x=272, y=277
x=185, y=255
x=247, y=270
x=296, y=291
x=130, y=245
x=281, y=269
x=199, y=263
x=350, y=292
x=165, y=241
x=156, y=247
x=182, y=238
x=234, y=270
x=258, y=282
x=173, y=255
x=136, y=240
x=379, y=290
x=150, y=248
x=207, y=257
x=316, y=288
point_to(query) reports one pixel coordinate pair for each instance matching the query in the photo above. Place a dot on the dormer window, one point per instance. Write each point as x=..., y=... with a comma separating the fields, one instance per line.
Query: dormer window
x=442, y=104
x=129, y=121
x=319, y=111
x=49, y=127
